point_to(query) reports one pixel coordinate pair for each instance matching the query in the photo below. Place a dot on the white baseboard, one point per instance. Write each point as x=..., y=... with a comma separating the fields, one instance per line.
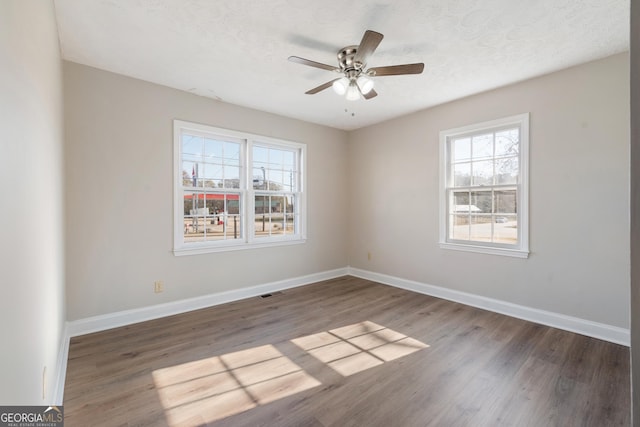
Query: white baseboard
x=61, y=367
x=601, y=331
x=128, y=317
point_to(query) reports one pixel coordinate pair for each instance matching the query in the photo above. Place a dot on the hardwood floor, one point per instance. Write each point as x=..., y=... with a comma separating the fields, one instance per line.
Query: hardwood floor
x=345, y=352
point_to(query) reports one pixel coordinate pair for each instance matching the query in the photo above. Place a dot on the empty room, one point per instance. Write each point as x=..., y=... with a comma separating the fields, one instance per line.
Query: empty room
x=390, y=213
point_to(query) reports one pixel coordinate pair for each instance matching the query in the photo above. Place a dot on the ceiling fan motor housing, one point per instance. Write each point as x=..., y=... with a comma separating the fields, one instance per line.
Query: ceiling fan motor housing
x=347, y=65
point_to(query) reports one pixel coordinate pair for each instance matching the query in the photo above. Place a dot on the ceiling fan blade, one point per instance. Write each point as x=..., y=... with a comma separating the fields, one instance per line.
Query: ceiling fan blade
x=371, y=94
x=395, y=70
x=321, y=87
x=310, y=63
x=368, y=44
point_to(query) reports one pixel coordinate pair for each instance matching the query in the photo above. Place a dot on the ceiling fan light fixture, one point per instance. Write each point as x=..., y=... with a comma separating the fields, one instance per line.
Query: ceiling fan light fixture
x=365, y=84
x=340, y=86
x=353, y=93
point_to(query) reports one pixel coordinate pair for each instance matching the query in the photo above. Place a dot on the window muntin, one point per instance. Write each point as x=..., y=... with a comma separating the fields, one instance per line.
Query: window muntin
x=483, y=186
x=235, y=190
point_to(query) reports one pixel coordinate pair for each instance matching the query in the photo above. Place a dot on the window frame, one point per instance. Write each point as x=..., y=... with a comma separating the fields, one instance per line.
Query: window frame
x=246, y=192
x=519, y=250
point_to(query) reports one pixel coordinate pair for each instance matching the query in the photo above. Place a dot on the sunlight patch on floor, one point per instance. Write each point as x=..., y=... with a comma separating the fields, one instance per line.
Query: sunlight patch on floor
x=210, y=389
x=358, y=347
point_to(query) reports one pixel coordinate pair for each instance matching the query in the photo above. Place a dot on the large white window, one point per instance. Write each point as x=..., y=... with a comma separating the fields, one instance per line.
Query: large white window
x=234, y=190
x=483, y=185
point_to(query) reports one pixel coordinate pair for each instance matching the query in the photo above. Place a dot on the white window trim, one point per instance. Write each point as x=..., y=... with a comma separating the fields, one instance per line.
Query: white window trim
x=248, y=195
x=522, y=250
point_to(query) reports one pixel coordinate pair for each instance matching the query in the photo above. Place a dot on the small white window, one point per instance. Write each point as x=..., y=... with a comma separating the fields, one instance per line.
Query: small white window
x=235, y=190
x=483, y=185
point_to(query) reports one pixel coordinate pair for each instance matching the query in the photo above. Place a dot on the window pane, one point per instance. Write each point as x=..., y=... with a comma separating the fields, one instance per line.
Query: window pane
x=196, y=178
x=278, y=206
x=276, y=158
x=192, y=150
x=213, y=149
x=195, y=214
x=482, y=146
x=276, y=180
x=211, y=175
x=290, y=214
x=507, y=142
x=459, y=227
x=194, y=203
x=460, y=202
x=507, y=170
x=288, y=181
x=191, y=146
x=505, y=229
x=461, y=149
x=259, y=178
x=188, y=174
x=216, y=227
x=231, y=177
x=231, y=162
x=481, y=202
x=482, y=173
x=462, y=175
x=481, y=228
x=232, y=153
x=260, y=154
x=289, y=160
x=505, y=201
x=290, y=224
x=262, y=217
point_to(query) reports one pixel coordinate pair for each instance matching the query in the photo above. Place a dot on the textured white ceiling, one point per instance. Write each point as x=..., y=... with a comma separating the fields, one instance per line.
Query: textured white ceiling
x=236, y=50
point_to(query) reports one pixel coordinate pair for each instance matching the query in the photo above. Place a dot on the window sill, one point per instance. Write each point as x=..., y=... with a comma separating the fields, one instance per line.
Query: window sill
x=228, y=247
x=489, y=250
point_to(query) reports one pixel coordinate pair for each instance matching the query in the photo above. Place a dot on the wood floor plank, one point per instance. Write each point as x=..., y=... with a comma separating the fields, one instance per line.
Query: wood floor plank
x=345, y=352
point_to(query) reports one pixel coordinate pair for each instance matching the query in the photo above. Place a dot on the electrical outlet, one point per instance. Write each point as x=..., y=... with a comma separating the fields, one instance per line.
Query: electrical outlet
x=158, y=286
x=369, y=256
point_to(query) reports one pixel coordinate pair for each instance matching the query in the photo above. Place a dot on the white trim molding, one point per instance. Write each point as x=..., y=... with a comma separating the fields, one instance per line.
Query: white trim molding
x=239, y=185
x=448, y=187
x=61, y=367
x=589, y=328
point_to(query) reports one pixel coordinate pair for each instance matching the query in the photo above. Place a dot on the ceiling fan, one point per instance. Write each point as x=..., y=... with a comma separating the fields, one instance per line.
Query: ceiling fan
x=352, y=61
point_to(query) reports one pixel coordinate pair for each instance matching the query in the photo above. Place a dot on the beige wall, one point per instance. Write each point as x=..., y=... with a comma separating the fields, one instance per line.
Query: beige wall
x=31, y=230
x=579, y=182
x=119, y=196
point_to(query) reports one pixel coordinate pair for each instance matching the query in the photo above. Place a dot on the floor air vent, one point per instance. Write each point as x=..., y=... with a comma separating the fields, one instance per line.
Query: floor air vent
x=270, y=295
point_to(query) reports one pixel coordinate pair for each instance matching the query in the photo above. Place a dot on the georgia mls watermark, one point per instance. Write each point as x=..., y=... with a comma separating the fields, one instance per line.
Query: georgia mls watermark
x=31, y=416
